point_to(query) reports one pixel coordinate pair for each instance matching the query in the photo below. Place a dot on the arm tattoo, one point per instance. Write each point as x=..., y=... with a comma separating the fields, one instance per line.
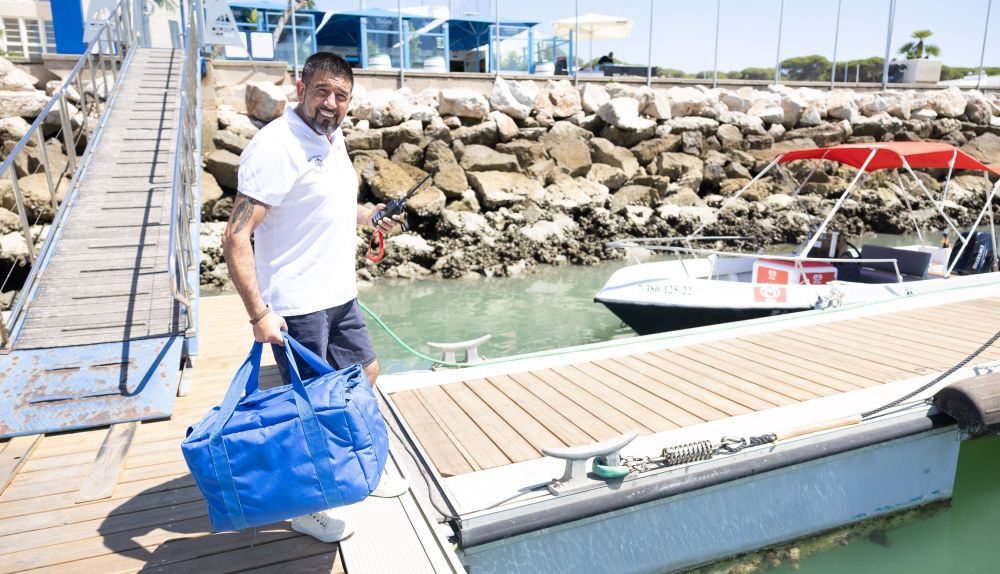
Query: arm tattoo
x=242, y=211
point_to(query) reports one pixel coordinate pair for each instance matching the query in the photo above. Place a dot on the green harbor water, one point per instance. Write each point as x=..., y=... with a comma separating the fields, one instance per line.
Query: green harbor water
x=554, y=308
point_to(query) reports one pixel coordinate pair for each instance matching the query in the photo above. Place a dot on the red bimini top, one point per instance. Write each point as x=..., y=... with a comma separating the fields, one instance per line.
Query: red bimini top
x=889, y=155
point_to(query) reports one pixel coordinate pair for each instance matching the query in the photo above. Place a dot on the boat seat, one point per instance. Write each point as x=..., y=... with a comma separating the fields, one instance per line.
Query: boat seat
x=913, y=265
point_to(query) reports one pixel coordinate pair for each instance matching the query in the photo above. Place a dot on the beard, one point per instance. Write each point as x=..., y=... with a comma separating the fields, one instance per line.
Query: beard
x=324, y=125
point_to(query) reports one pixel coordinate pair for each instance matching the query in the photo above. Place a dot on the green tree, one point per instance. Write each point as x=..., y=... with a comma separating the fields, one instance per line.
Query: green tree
x=919, y=49
x=867, y=70
x=757, y=74
x=957, y=73
x=806, y=68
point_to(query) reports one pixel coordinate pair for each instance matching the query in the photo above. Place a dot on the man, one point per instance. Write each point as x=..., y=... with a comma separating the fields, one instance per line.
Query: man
x=604, y=60
x=298, y=198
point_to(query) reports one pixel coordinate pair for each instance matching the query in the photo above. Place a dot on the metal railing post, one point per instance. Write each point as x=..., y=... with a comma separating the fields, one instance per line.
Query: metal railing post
x=982, y=53
x=48, y=170
x=836, y=37
x=67, y=129
x=23, y=213
x=888, y=44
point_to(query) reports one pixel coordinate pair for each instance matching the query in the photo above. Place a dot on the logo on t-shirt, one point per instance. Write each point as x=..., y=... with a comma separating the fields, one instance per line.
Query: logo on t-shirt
x=317, y=162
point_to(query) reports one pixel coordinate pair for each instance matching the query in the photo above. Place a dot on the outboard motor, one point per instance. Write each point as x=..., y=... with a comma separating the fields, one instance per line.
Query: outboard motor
x=977, y=256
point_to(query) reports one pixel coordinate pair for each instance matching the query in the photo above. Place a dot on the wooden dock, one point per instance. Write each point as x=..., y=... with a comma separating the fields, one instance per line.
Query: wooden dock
x=467, y=422
x=154, y=518
x=120, y=499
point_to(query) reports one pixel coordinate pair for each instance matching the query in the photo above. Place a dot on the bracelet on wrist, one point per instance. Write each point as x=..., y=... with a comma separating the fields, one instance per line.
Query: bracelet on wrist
x=261, y=315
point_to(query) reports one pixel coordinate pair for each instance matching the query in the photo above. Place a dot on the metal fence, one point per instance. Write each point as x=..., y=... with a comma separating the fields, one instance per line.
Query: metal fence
x=181, y=255
x=92, y=84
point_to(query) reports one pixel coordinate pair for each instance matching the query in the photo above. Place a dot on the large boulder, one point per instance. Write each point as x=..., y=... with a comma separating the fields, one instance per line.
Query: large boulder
x=383, y=108
x=37, y=197
x=604, y=152
x=949, y=103
x=841, y=105
x=13, y=79
x=706, y=126
x=571, y=155
x=558, y=99
x=264, y=100
x=389, y=180
x=528, y=153
x=227, y=140
x=985, y=148
x=464, y=103
x=427, y=202
x=545, y=231
x=685, y=169
x=592, y=97
x=506, y=128
x=569, y=193
x=611, y=177
x=633, y=195
x=410, y=131
x=225, y=166
x=729, y=137
x=628, y=137
x=496, y=189
x=21, y=103
x=451, y=180
x=13, y=129
x=687, y=101
x=503, y=99
x=738, y=101
x=239, y=124
x=824, y=134
x=978, y=110
x=363, y=139
x=645, y=152
x=623, y=113
x=656, y=105
x=746, y=123
x=482, y=158
x=485, y=133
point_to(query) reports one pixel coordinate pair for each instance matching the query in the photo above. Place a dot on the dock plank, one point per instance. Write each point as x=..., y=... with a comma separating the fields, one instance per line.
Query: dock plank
x=478, y=446
x=656, y=380
x=447, y=457
x=533, y=431
x=621, y=422
x=516, y=448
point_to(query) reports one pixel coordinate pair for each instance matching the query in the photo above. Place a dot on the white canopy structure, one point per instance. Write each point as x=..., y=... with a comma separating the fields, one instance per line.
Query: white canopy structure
x=593, y=27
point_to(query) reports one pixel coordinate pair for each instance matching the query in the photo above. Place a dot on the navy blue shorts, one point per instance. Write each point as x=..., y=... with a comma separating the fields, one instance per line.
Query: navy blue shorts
x=337, y=334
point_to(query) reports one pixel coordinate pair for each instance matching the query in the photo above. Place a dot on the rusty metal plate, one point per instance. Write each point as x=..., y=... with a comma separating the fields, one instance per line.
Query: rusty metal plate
x=58, y=389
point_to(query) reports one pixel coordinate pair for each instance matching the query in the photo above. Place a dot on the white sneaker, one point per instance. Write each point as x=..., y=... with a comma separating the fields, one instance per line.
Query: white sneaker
x=324, y=526
x=391, y=486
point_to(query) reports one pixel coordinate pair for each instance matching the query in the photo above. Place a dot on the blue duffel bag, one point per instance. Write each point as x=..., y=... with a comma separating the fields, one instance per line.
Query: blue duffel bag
x=271, y=455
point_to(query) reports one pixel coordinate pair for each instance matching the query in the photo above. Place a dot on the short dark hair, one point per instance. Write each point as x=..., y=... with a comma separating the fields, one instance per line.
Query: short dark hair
x=327, y=62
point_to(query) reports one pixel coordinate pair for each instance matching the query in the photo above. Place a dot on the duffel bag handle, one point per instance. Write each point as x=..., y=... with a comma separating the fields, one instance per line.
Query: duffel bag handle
x=318, y=450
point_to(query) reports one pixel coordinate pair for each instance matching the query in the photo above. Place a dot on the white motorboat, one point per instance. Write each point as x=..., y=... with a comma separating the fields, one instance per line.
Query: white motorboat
x=702, y=286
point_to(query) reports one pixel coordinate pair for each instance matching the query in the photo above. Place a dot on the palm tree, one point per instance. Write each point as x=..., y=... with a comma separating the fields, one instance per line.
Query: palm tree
x=919, y=49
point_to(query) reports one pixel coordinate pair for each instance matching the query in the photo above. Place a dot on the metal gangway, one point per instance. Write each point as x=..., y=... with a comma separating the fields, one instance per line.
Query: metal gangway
x=107, y=313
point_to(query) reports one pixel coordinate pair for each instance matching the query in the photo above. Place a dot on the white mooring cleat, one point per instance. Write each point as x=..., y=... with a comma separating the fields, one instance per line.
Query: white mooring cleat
x=391, y=486
x=324, y=526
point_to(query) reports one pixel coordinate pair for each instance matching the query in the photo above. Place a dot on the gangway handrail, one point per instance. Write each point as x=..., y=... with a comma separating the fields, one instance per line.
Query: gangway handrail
x=180, y=250
x=111, y=46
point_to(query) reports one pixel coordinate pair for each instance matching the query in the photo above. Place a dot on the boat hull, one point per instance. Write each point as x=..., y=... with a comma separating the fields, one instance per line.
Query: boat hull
x=646, y=319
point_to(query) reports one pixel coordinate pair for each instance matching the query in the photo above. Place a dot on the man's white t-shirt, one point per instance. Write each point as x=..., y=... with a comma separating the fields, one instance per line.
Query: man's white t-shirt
x=304, y=247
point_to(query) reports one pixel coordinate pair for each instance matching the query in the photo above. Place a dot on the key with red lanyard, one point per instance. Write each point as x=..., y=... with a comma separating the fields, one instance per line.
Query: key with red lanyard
x=394, y=207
